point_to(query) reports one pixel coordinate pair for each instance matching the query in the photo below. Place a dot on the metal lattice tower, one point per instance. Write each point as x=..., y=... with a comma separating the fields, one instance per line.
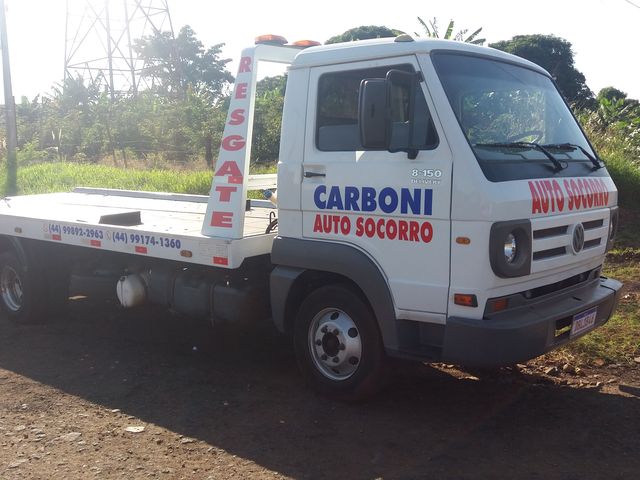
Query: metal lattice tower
x=99, y=36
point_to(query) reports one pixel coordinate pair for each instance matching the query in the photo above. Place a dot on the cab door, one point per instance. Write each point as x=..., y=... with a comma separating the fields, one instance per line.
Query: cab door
x=393, y=208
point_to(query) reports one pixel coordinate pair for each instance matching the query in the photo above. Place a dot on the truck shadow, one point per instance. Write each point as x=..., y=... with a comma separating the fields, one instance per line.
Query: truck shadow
x=240, y=391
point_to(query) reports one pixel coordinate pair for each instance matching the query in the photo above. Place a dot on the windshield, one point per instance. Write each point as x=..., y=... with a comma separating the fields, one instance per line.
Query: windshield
x=508, y=113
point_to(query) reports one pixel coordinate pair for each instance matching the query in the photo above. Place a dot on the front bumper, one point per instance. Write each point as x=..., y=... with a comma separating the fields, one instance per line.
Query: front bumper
x=526, y=332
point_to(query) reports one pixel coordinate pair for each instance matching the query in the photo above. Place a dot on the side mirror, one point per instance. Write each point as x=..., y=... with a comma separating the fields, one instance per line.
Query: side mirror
x=386, y=112
x=401, y=94
x=372, y=114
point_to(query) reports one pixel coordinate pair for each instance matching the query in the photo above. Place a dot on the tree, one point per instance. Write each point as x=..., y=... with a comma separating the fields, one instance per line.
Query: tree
x=611, y=94
x=434, y=32
x=364, y=32
x=265, y=145
x=181, y=64
x=556, y=56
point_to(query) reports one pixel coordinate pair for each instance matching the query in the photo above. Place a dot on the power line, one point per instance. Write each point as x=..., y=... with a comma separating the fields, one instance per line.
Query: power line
x=631, y=3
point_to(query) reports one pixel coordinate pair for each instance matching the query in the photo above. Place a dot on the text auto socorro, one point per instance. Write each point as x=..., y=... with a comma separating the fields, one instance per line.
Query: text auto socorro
x=387, y=200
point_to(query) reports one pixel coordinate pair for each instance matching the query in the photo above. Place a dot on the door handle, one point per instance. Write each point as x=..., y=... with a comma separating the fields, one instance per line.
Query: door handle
x=314, y=174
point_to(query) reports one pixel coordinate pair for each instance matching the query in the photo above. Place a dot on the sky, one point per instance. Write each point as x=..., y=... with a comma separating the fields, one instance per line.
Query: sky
x=603, y=32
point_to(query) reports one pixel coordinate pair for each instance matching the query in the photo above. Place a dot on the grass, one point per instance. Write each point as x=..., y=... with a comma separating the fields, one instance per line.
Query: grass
x=626, y=175
x=61, y=177
x=619, y=340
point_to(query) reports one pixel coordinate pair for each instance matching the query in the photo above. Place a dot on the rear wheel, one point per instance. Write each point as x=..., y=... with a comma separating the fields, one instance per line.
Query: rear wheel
x=338, y=344
x=21, y=290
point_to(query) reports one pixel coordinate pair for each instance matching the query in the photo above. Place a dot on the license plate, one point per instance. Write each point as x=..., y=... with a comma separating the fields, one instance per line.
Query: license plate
x=583, y=321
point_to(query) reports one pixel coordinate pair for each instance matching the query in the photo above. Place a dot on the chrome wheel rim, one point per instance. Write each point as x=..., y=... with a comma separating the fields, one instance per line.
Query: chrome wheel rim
x=335, y=344
x=11, y=286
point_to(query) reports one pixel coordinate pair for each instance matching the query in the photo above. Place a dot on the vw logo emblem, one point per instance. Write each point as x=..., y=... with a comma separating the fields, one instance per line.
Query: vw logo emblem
x=577, y=240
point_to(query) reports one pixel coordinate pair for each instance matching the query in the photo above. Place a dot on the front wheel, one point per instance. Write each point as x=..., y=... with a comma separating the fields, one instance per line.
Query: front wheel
x=338, y=344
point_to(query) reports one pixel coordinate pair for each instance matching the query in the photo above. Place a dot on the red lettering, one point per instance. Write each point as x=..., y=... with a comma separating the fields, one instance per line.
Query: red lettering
x=317, y=224
x=587, y=187
x=426, y=232
x=413, y=231
x=567, y=188
x=402, y=235
x=336, y=223
x=559, y=196
x=392, y=229
x=345, y=226
x=241, y=90
x=231, y=169
x=370, y=227
x=605, y=191
x=583, y=197
x=233, y=143
x=359, y=226
x=544, y=199
x=548, y=192
x=535, y=200
x=225, y=192
x=245, y=65
x=576, y=194
x=379, y=228
x=222, y=219
x=326, y=223
x=236, y=117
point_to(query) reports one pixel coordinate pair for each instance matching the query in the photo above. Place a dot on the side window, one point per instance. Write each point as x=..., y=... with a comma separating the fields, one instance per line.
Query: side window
x=337, y=113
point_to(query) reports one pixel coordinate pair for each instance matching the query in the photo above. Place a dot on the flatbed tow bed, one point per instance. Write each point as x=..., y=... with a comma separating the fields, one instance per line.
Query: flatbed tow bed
x=160, y=225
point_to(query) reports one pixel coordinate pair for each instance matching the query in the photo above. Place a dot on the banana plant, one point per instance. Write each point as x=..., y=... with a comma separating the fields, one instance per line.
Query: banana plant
x=432, y=31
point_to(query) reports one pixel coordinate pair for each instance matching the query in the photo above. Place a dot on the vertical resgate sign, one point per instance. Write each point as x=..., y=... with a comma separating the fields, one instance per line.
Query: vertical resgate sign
x=226, y=207
x=228, y=195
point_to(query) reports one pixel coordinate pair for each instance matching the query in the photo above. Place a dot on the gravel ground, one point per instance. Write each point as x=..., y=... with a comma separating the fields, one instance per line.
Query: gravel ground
x=107, y=393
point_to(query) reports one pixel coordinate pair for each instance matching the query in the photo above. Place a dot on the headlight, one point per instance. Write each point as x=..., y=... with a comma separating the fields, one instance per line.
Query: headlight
x=510, y=250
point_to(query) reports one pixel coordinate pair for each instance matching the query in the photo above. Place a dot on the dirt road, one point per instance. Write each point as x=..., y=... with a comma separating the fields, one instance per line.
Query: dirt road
x=228, y=404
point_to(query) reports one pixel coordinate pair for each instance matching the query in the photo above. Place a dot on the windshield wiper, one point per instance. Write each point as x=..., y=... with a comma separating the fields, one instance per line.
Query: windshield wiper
x=556, y=163
x=572, y=146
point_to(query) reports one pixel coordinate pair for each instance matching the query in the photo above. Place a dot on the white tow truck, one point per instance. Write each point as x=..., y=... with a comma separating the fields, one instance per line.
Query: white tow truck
x=436, y=201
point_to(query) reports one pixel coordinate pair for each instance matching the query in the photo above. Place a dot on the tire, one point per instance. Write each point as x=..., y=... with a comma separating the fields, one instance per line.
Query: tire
x=338, y=344
x=21, y=290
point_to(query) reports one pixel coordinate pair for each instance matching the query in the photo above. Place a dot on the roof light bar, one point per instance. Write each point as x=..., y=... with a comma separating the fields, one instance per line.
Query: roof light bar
x=306, y=43
x=270, y=39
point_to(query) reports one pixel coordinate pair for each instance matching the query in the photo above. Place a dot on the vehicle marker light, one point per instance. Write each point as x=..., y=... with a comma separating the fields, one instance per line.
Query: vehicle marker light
x=306, y=43
x=499, y=304
x=17, y=230
x=270, y=39
x=465, y=300
x=463, y=240
x=186, y=253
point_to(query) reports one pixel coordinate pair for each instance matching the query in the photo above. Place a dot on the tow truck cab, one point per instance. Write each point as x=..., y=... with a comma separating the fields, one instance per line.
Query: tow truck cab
x=452, y=187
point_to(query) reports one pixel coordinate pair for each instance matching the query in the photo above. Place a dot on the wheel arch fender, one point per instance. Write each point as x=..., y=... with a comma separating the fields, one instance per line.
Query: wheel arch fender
x=299, y=261
x=15, y=245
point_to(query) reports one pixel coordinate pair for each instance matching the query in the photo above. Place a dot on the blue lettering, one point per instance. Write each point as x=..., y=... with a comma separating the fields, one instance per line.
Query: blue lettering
x=410, y=202
x=428, y=201
x=369, y=199
x=335, y=200
x=351, y=197
x=320, y=190
x=388, y=200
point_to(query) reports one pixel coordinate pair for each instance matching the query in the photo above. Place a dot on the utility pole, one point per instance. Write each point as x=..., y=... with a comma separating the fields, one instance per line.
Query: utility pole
x=10, y=109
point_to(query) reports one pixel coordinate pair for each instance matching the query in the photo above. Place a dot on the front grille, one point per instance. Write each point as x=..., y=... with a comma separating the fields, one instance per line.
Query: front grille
x=551, y=252
x=553, y=242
